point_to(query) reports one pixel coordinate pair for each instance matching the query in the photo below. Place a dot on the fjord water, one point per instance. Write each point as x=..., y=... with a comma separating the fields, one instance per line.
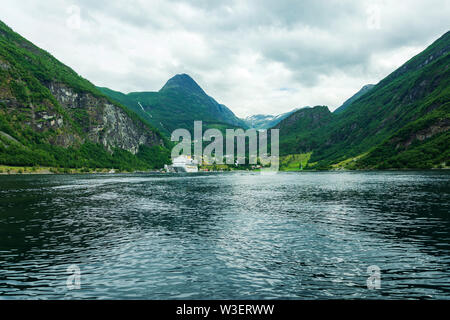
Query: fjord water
x=226, y=235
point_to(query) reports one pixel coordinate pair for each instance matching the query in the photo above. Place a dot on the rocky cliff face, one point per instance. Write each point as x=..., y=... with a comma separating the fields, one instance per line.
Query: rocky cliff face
x=422, y=135
x=103, y=122
x=100, y=121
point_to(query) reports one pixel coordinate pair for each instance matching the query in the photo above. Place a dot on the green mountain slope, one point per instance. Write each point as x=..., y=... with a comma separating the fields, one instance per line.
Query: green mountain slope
x=412, y=100
x=295, y=131
x=51, y=116
x=178, y=104
x=424, y=144
x=355, y=97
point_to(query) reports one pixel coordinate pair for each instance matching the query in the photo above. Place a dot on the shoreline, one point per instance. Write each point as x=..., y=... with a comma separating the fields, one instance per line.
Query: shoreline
x=12, y=170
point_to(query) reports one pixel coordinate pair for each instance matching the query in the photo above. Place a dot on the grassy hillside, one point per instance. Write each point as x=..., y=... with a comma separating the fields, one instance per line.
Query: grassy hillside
x=294, y=162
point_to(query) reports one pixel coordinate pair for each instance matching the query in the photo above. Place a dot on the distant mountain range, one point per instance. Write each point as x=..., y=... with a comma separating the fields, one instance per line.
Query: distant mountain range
x=265, y=121
x=402, y=122
x=179, y=103
x=51, y=116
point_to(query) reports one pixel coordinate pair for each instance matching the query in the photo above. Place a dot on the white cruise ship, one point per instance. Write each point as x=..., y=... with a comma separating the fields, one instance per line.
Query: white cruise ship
x=185, y=164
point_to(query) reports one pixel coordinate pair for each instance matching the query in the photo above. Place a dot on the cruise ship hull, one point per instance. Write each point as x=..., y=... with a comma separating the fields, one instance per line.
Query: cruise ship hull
x=186, y=168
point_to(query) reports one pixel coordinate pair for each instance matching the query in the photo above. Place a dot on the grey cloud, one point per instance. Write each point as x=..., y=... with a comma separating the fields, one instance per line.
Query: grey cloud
x=241, y=51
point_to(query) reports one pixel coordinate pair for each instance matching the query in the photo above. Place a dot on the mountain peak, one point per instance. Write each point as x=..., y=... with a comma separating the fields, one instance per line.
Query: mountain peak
x=355, y=97
x=182, y=81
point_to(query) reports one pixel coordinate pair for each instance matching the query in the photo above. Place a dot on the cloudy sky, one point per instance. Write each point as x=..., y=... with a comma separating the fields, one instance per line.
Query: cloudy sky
x=260, y=56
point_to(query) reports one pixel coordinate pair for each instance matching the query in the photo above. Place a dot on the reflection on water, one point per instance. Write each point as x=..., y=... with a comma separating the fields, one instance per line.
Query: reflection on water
x=226, y=236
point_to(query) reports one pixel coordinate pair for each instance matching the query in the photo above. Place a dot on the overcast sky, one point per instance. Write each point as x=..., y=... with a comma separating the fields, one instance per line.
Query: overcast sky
x=260, y=56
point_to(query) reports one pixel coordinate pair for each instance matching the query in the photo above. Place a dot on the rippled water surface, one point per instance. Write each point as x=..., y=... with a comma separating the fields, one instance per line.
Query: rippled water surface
x=226, y=236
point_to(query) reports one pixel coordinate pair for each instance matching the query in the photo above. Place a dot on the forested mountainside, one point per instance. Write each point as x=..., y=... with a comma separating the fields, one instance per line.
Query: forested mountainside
x=50, y=116
x=179, y=103
x=402, y=122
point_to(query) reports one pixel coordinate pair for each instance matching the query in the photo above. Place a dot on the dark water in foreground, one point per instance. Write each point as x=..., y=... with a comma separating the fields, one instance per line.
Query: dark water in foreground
x=226, y=236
